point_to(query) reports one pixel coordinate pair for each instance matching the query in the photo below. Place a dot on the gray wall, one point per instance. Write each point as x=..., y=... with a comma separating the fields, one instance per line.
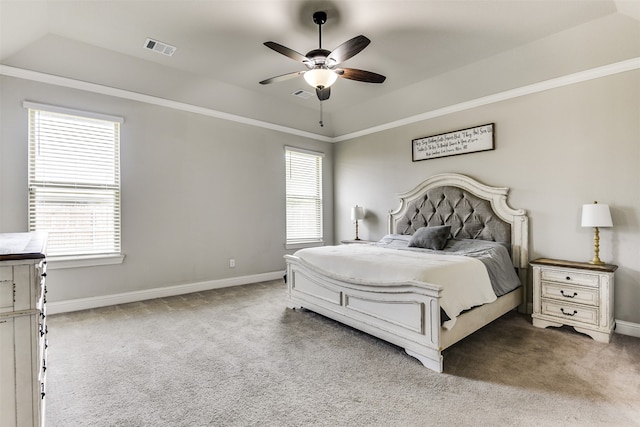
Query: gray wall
x=196, y=191
x=199, y=190
x=556, y=150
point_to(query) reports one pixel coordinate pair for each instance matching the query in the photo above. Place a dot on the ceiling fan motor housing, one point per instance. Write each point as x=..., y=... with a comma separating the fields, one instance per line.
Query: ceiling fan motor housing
x=318, y=56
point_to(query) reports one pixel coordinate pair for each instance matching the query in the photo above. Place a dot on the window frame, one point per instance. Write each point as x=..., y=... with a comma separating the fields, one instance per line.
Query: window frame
x=318, y=239
x=86, y=258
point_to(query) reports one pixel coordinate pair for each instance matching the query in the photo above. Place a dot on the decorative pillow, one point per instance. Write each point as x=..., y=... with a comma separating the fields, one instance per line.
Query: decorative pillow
x=431, y=237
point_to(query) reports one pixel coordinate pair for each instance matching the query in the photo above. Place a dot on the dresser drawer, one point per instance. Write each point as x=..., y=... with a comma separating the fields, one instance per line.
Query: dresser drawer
x=570, y=312
x=6, y=274
x=7, y=292
x=41, y=274
x=568, y=293
x=570, y=277
x=42, y=362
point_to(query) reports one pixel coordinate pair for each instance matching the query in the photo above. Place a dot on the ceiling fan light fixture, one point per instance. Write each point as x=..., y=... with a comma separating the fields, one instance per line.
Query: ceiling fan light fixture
x=320, y=78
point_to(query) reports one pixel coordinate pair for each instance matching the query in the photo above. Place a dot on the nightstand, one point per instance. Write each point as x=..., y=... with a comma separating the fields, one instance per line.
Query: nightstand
x=353, y=241
x=577, y=294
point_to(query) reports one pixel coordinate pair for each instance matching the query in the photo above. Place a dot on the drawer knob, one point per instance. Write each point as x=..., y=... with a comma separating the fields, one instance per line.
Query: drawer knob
x=568, y=277
x=575, y=294
x=568, y=314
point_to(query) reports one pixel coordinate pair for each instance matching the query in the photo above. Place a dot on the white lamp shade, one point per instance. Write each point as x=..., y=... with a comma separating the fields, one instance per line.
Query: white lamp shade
x=596, y=215
x=357, y=213
x=320, y=77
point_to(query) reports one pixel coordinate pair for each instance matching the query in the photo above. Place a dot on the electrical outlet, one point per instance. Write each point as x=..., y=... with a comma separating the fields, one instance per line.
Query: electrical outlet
x=232, y=263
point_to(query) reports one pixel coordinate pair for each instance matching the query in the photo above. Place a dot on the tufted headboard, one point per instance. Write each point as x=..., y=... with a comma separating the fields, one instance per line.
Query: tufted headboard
x=474, y=211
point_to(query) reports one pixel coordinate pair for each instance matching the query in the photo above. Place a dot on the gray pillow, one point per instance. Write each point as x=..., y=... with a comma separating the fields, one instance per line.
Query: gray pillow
x=431, y=237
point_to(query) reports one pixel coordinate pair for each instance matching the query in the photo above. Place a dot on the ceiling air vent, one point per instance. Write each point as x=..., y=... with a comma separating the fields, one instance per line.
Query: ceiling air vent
x=160, y=47
x=301, y=93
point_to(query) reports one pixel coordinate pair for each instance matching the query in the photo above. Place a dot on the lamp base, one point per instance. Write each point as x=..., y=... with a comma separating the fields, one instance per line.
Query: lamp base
x=596, y=248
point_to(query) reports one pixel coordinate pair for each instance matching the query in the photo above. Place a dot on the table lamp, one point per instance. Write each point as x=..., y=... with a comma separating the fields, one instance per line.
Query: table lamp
x=596, y=215
x=357, y=214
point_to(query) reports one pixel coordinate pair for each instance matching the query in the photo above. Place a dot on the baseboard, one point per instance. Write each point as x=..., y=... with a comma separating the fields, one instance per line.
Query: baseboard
x=167, y=291
x=627, y=328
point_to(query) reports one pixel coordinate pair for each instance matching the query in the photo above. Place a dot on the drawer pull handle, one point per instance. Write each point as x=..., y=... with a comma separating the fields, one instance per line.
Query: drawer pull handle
x=568, y=314
x=575, y=294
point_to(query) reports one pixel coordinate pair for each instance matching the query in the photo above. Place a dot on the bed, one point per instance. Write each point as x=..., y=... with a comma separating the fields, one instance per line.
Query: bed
x=387, y=299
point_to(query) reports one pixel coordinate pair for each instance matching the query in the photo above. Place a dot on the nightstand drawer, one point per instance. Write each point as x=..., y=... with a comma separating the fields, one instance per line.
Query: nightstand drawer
x=570, y=312
x=570, y=276
x=567, y=293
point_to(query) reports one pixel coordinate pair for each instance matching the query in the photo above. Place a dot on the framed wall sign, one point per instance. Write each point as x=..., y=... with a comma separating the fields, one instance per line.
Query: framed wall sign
x=479, y=138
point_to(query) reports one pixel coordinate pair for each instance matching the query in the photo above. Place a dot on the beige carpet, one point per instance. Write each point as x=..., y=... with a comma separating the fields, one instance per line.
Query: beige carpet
x=238, y=357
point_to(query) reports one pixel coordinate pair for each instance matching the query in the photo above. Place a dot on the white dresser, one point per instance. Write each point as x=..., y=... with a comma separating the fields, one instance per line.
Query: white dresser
x=23, y=329
x=575, y=294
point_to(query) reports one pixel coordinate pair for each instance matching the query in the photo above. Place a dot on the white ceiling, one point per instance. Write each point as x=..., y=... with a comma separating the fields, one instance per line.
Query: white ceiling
x=220, y=57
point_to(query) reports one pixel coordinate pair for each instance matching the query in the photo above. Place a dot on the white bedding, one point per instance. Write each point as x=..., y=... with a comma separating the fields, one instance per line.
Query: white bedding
x=464, y=281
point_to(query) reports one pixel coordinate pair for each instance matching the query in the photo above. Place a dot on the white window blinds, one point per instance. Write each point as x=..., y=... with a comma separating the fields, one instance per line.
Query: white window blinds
x=74, y=180
x=304, y=196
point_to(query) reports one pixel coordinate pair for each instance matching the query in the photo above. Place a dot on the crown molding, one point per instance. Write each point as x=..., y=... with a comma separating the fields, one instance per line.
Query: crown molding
x=578, y=77
x=149, y=99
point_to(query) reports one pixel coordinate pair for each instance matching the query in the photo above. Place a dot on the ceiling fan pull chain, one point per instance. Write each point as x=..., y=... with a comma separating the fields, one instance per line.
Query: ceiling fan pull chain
x=321, y=120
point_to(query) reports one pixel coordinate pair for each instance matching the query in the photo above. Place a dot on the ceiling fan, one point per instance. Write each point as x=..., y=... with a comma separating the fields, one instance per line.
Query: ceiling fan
x=321, y=63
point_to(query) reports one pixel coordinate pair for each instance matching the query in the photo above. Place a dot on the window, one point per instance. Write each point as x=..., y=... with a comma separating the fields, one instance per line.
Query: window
x=74, y=180
x=304, y=196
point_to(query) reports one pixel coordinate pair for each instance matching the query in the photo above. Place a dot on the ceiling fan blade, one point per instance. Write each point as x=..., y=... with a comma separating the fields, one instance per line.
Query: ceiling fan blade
x=323, y=94
x=347, y=50
x=286, y=51
x=360, y=75
x=281, y=78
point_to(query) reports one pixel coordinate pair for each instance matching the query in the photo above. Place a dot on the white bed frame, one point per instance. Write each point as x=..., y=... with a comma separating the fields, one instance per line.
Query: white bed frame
x=408, y=315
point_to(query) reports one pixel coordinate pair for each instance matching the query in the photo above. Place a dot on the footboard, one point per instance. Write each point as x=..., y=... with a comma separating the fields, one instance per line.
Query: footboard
x=404, y=314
